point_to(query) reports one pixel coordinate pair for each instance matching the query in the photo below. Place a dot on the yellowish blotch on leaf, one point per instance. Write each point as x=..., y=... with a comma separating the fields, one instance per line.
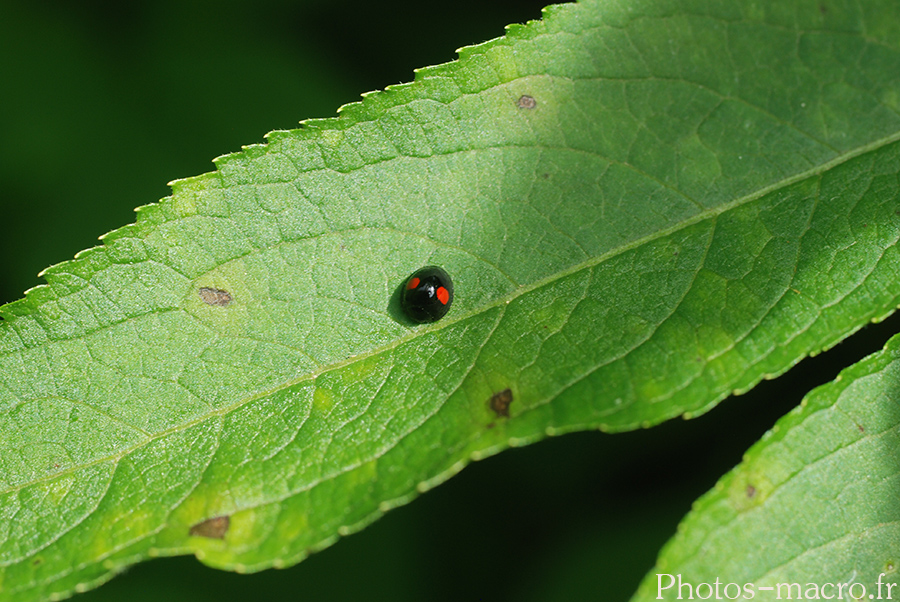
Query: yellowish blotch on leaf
x=222, y=297
x=748, y=489
x=323, y=399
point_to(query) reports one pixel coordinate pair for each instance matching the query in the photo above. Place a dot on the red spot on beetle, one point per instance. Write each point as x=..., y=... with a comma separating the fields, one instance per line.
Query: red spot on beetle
x=442, y=295
x=413, y=283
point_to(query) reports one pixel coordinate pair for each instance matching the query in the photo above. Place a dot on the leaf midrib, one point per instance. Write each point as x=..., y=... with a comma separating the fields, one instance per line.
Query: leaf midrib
x=521, y=290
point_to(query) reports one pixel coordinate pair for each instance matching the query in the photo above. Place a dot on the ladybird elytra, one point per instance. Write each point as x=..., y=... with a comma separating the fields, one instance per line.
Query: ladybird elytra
x=427, y=294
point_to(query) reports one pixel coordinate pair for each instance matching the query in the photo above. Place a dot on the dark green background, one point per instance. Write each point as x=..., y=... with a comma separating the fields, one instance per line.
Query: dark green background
x=103, y=103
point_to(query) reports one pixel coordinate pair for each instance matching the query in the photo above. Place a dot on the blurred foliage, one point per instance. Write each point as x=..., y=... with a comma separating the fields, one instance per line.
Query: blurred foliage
x=104, y=102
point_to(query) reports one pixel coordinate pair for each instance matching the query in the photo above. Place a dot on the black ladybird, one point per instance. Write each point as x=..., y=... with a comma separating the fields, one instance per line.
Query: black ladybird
x=427, y=294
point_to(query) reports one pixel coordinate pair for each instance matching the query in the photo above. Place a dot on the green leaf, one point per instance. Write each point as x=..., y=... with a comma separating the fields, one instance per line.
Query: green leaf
x=814, y=503
x=644, y=207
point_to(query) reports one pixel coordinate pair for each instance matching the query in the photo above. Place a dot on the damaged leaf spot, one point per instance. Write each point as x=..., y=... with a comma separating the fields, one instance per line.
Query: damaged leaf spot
x=213, y=528
x=749, y=490
x=500, y=402
x=215, y=296
x=526, y=102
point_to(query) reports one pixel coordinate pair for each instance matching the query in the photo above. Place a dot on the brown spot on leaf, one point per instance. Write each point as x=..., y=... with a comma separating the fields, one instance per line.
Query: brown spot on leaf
x=213, y=528
x=526, y=102
x=215, y=296
x=500, y=402
x=37, y=561
x=751, y=491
